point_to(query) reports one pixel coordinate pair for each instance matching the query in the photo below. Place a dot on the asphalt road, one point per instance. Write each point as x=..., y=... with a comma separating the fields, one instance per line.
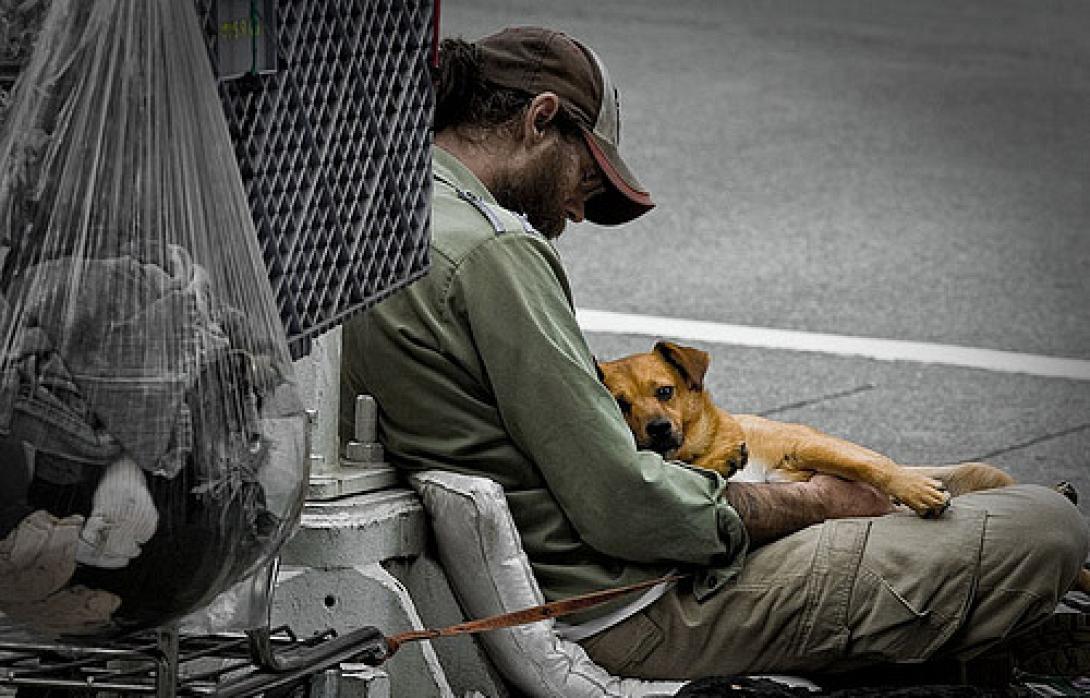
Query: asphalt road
x=915, y=171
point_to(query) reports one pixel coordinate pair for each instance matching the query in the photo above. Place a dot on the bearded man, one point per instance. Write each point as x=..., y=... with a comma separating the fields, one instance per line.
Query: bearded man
x=480, y=368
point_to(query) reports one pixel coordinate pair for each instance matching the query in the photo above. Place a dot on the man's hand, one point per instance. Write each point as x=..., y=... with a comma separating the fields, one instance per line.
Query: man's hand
x=773, y=510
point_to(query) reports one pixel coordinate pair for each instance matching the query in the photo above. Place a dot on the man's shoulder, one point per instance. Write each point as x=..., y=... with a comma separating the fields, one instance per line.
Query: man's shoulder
x=465, y=216
x=463, y=223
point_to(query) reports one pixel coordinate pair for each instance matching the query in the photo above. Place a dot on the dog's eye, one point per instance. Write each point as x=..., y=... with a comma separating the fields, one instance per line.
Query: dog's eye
x=664, y=392
x=625, y=405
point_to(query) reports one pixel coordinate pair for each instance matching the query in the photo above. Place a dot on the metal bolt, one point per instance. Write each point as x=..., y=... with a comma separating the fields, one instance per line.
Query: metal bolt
x=366, y=426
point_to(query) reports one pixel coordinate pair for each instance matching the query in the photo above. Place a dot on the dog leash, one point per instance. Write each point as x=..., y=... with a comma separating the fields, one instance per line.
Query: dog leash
x=534, y=614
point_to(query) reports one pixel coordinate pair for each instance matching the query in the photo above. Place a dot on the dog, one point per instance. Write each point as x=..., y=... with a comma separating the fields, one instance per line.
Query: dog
x=662, y=397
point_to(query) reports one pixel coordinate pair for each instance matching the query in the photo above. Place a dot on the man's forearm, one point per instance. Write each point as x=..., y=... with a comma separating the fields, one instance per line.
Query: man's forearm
x=771, y=511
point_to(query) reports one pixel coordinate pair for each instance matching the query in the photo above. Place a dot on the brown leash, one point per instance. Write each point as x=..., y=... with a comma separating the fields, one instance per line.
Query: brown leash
x=553, y=609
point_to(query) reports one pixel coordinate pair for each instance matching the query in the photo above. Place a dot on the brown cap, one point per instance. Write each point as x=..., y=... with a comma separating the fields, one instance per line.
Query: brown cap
x=537, y=60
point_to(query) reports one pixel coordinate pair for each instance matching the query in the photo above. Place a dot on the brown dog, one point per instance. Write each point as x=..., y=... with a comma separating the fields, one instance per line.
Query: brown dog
x=662, y=396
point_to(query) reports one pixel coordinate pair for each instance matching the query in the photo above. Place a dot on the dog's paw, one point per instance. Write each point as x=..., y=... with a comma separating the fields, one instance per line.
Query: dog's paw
x=924, y=495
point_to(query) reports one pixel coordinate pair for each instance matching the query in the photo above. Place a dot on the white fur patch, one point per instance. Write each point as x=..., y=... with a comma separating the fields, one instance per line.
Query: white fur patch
x=755, y=471
x=758, y=471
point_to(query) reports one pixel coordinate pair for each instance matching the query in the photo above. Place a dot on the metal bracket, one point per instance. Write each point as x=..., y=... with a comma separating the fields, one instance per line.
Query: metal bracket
x=362, y=469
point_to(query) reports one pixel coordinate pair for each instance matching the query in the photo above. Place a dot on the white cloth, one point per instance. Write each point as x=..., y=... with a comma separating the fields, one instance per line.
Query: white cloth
x=581, y=631
x=482, y=554
x=38, y=557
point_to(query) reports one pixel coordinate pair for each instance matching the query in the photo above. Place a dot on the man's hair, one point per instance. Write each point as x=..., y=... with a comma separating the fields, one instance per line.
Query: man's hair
x=465, y=99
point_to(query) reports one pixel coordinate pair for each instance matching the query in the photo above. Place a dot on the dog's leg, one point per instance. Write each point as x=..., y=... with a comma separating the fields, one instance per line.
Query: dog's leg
x=796, y=447
x=965, y=477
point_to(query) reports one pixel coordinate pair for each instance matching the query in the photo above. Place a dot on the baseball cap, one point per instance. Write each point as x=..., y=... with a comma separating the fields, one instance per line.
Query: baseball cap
x=536, y=60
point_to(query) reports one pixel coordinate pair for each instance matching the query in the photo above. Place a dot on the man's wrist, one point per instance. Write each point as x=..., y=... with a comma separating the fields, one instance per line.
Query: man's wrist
x=771, y=511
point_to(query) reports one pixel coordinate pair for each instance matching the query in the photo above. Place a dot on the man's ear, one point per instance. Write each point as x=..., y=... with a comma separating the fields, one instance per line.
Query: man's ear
x=689, y=362
x=541, y=111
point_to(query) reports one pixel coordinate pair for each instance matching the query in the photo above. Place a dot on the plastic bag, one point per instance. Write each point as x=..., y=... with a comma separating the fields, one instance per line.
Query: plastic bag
x=151, y=438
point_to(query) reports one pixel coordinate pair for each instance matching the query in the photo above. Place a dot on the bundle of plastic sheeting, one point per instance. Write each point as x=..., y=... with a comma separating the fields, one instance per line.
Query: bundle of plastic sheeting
x=151, y=438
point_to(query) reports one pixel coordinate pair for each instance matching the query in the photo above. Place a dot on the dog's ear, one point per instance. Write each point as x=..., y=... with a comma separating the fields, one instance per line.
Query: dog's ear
x=690, y=362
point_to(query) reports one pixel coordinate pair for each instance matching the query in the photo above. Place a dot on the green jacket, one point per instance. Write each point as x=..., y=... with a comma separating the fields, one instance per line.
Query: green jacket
x=480, y=368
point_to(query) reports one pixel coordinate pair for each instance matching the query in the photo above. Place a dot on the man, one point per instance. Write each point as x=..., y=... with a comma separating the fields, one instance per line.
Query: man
x=480, y=368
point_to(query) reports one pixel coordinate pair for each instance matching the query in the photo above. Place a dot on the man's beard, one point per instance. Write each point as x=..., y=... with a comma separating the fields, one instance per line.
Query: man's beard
x=535, y=193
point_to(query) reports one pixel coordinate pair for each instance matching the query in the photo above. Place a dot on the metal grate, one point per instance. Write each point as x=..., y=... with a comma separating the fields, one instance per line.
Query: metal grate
x=334, y=149
x=166, y=664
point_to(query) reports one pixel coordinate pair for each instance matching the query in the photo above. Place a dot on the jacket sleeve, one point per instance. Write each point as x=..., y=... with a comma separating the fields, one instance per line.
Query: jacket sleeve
x=626, y=503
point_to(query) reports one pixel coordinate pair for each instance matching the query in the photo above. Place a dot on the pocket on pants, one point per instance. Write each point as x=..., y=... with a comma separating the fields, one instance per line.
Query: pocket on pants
x=887, y=625
x=625, y=645
x=824, y=631
x=916, y=581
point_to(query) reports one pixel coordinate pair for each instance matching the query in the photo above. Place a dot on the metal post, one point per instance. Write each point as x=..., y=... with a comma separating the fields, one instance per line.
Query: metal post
x=166, y=661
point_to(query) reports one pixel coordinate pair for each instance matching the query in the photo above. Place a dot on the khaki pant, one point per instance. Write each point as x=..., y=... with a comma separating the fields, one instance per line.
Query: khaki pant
x=854, y=592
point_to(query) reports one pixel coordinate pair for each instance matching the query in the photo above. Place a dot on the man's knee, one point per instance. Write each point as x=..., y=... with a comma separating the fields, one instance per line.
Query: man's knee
x=1063, y=529
x=1040, y=515
x=1033, y=530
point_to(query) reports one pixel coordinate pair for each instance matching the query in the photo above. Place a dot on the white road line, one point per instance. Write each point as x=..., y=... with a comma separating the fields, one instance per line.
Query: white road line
x=607, y=322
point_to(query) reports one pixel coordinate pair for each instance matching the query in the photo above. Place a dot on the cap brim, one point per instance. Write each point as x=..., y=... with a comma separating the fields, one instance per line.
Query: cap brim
x=624, y=199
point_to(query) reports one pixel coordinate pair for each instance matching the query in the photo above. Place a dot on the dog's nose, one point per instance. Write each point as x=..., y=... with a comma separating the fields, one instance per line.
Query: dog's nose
x=658, y=428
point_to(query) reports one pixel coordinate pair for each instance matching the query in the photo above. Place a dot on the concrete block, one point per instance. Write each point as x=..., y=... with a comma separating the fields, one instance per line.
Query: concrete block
x=313, y=600
x=357, y=530
x=462, y=657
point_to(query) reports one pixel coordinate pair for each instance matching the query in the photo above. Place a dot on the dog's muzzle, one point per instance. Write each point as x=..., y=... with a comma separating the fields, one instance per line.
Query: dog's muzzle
x=662, y=438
